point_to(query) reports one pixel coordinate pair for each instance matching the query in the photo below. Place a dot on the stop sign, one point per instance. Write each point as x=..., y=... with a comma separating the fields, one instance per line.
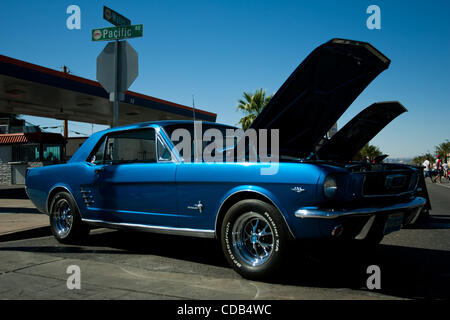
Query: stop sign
x=127, y=66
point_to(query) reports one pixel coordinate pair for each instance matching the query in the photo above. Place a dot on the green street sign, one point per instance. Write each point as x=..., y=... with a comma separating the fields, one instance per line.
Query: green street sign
x=114, y=17
x=116, y=33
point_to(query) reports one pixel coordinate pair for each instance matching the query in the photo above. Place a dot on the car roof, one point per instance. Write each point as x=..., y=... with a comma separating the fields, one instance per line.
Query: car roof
x=162, y=123
x=86, y=148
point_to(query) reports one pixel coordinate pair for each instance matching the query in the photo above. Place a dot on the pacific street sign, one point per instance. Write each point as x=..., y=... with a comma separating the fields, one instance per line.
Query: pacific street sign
x=117, y=33
x=114, y=17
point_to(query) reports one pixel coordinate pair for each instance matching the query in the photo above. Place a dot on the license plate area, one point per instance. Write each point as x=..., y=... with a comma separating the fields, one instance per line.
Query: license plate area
x=394, y=222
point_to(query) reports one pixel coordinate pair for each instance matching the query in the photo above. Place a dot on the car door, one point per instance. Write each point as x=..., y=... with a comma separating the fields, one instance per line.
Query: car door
x=133, y=180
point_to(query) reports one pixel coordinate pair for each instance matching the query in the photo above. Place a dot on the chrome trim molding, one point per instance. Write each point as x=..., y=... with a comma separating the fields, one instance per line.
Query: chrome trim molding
x=160, y=136
x=26, y=192
x=176, y=158
x=200, y=233
x=87, y=197
x=365, y=230
x=331, y=213
x=411, y=192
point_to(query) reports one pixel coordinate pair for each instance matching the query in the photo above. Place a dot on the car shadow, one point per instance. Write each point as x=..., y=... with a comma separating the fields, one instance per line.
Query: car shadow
x=19, y=210
x=176, y=247
x=432, y=222
x=13, y=193
x=126, y=242
x=404, y=272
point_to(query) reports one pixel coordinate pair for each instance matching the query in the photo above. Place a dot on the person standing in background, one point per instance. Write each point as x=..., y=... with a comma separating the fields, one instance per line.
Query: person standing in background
x=445, y=167
x=427, y=170
x=438, y=169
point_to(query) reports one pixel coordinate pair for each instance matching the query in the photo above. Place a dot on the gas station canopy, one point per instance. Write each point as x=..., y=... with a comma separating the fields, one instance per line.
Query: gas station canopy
x=30, y=89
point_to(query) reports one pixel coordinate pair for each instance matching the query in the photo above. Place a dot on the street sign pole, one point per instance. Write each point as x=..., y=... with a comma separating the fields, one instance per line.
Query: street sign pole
x=117, y=73
x=116, y=97
x=116, y=93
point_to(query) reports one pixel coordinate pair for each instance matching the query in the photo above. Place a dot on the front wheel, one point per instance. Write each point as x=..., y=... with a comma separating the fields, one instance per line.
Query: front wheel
x=65, y=219
x=254, y=239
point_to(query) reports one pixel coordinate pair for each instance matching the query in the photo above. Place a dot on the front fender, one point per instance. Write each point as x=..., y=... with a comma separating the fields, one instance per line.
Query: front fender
x=251, y=189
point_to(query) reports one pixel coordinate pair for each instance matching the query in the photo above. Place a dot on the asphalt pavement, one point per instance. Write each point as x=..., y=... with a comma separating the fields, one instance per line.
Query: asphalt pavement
x=414, y=263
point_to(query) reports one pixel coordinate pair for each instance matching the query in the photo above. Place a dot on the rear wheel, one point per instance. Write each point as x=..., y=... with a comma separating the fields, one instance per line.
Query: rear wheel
x=254, y=239
x=65, y=219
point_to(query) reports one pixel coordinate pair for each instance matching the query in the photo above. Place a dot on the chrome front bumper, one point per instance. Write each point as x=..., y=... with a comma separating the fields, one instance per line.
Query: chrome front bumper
x=412, y=207
x=311, y=212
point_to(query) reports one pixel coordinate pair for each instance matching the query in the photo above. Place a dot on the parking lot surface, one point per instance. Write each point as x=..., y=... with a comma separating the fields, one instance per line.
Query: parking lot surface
x=414, y=263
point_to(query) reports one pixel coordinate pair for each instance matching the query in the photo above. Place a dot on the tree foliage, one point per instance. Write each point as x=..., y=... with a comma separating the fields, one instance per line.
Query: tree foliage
x=443, y=150
x=251, y=106
x=419, y=160
x=368, y=152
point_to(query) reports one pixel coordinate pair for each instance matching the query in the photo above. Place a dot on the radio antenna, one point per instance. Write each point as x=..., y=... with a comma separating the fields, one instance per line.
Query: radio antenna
x=193, y=107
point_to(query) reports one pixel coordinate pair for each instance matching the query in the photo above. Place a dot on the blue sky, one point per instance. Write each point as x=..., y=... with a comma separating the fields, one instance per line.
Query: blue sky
x=215, y=50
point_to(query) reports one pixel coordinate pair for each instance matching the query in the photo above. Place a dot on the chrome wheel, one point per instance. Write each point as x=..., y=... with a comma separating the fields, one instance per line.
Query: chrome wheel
x=62, y=217
x=252, y=238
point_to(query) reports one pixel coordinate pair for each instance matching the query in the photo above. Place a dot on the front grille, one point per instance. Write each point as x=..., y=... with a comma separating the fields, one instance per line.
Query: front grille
x=389, y=182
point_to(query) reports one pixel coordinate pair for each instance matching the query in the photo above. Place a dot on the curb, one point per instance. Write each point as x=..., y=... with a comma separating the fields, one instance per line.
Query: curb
x=26, y=234
x=13, y=193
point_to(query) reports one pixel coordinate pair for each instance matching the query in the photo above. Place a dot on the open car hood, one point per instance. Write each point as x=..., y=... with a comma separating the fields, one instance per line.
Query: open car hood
x=359, y=131
x=318, y=92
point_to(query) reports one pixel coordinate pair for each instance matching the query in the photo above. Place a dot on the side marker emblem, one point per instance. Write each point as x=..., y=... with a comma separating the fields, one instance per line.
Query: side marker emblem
x=298, y=189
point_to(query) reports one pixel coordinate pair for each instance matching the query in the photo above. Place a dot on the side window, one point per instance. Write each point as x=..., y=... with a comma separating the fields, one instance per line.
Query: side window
x=163, y=152
x=97, y=155
x=131, y=147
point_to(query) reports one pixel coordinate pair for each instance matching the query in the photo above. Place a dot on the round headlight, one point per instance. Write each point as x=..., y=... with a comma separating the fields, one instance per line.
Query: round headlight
x=330, y=187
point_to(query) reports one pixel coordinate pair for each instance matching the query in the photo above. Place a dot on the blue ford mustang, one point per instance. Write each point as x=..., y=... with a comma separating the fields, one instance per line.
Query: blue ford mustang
x=135, y=177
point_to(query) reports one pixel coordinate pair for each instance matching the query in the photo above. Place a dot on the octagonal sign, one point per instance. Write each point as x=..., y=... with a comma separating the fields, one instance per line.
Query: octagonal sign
x=127, y=66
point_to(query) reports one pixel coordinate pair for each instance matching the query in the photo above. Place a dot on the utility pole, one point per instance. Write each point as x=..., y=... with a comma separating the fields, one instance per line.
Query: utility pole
x=193, y=107
x=66, y=123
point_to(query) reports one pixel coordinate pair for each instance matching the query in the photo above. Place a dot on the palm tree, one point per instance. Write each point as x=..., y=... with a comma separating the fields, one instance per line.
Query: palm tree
x=368, y=152
x=443, y=150
x=420, y=159
x=251, y=106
